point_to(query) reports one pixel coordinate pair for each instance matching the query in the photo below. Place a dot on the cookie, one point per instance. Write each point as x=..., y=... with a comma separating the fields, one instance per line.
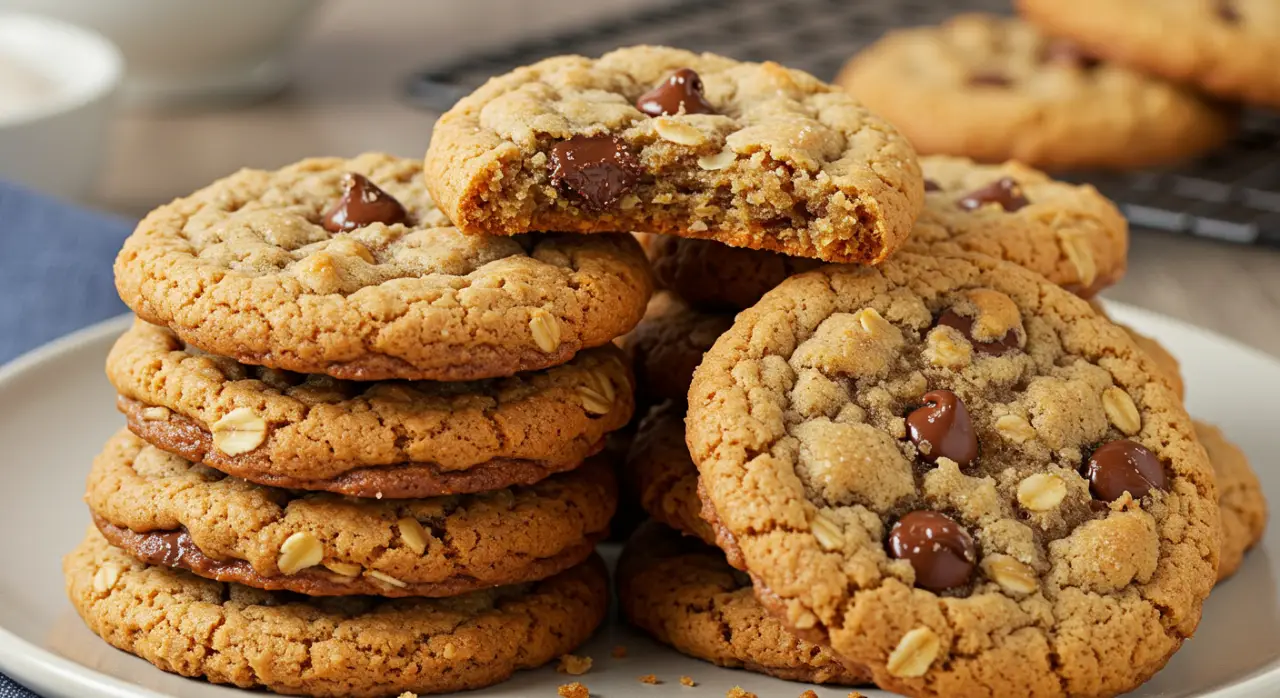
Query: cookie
x=684, y=594
x=349, y=647
x=1068, y=233
x=346, y=267
x=663, y=476
x=1228, y=48
x=660, y=140
x=1240, y=498
x=168, y=511
x=668, y=344
x=714, y=277
x=1167, y=362
x=386, y=439
x=954, y=472
x=996, y=89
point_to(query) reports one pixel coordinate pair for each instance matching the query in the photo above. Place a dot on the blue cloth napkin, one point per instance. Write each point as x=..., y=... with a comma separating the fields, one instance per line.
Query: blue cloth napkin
x=55, y=270
x=55, y=277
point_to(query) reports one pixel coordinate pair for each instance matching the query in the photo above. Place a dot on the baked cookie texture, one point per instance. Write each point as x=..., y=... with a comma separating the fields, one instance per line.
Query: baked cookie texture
x=1229, y=48
x=996, y=89
x=660, y=471
x=668, y=345
x=389, y=438
x=684, y=594
x=1240, y=498
x=1163, y=358
x=750, y=154
x=261, y=267
x=715, y=277
x=354, y=647
x=168, y=511
x=932, y=467
x=1068, y=233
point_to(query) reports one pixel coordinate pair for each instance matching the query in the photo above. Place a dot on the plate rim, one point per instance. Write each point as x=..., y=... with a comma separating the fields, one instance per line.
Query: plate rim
x=42, y=671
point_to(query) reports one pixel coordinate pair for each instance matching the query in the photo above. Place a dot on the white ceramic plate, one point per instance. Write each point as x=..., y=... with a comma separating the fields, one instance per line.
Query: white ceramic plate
x=58, y=409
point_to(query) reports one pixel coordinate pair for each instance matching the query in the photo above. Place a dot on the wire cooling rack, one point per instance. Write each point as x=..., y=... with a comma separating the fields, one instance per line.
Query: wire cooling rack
x=1233, y=194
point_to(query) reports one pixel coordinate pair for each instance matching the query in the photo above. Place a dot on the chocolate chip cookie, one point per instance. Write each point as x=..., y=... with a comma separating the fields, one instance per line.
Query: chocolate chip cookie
x=1240, y=498
x=996, y=89
x=668, y=344
x=684, y=594
x=957, y=474
x=168, y=511
x=384, y=439
x=660, y=140
x=1229, y=48
x=346, y=267
x=1069, y=233
x=349, y=647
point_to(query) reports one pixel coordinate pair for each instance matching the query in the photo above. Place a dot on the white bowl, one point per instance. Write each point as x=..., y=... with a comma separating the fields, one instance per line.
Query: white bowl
x=184, y=51
x=55, y=138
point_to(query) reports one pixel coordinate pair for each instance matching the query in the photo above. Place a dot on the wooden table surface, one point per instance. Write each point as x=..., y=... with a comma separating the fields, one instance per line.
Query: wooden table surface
x=345, y=99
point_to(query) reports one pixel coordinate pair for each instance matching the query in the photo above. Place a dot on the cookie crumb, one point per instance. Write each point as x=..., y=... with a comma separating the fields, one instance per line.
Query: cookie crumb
x=855, y=694
x=737, y=692
x=809, y=694
x=688, y=681
x=573, y=665
x=619, y=651
x=573, y=690
x=407, y=694
x=650, y=679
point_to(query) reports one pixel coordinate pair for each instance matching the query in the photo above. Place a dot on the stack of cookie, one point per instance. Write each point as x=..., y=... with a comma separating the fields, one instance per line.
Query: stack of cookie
x=1076, y=85
x=947, y=473
x=360, y=456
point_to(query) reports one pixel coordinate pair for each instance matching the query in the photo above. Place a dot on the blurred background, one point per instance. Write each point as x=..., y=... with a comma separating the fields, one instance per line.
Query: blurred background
x=126, y=104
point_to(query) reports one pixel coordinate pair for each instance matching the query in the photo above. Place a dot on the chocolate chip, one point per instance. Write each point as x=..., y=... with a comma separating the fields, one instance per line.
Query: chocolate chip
x=930, y=185
x=940, y=551
x=1004, y=191
x=1005, y=344
x=681, y=90
x=990, y=78
x=1227, y=12
x=1068, y=53
x=362, y=203
x=1124, y=466
x=944, y=423
x=598, y=169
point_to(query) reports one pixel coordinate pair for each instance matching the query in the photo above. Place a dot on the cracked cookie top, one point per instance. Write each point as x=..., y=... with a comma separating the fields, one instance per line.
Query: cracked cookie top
x=996, y=88
x=1068, y=233
x=959, y=475
x=167, y=510
x=385, y=438
x=346, y=267
x=661, y=140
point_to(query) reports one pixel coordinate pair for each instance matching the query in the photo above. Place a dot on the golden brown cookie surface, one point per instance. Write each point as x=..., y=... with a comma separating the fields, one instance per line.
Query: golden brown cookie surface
x=960, y=476
x=300, y=269
x=384, y=439
x=171, y=512
x=750, y=154
x=356, y=647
